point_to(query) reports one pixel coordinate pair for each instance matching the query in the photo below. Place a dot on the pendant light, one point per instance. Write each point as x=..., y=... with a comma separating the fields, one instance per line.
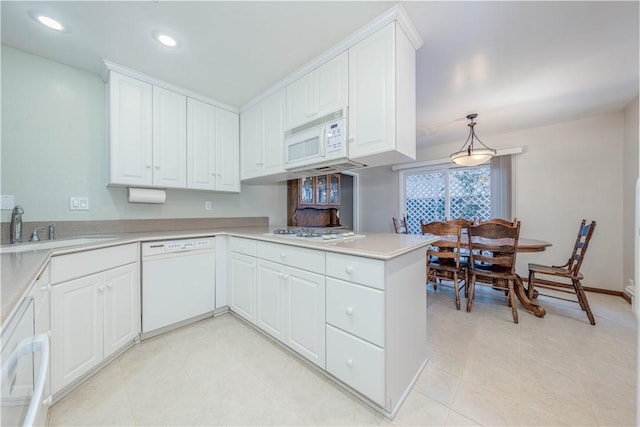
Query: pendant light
x=471, y=156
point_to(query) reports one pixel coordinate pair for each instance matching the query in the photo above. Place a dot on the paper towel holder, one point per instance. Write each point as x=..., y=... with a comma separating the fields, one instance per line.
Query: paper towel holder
x=147, y=195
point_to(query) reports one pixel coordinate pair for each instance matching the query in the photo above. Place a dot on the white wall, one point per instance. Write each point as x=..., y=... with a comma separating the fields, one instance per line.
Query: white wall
x=53, y=147
x=630, y=170
x=568, y=171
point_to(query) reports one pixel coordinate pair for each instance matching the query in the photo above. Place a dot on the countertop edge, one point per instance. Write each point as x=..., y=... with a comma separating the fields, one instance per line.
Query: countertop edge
x=40, y=258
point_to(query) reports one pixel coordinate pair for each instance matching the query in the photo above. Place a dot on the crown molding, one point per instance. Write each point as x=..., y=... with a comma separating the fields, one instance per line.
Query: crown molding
x=112, y=66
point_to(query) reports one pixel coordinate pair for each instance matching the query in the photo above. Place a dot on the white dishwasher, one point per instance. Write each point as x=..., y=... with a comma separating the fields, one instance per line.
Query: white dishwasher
x=178, y=283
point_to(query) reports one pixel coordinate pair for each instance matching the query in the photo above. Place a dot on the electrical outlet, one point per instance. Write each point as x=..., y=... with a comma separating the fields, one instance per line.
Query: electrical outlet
x=79, y=203
x=208, y=205
x=7, y=202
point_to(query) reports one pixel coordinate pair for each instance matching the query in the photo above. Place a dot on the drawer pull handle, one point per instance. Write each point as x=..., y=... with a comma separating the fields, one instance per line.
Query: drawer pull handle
x=100, y=288
x=349, y=311
x=349, y=269
x=110, y=285
x=349, y=362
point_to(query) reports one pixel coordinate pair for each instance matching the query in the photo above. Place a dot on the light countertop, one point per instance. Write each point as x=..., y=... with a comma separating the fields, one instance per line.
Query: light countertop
x=19, y=270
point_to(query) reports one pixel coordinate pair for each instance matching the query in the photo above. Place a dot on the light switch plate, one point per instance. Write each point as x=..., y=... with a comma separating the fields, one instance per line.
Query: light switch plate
x=7, y=202
x=208, y=205
x=79, y=203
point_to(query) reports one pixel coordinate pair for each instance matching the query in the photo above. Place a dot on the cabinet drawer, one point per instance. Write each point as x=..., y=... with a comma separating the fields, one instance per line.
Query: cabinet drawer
x=356, y=363
x=356, y=309
x=306, y=259
x=243, y=246
x=67, y=267
x=365, y=271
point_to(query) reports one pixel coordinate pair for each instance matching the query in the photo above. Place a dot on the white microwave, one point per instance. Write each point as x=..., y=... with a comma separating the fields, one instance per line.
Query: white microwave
x=323, y=139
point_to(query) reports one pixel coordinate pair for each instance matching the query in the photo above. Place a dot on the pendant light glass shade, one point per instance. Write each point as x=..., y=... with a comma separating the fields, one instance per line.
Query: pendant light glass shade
x=468, y=154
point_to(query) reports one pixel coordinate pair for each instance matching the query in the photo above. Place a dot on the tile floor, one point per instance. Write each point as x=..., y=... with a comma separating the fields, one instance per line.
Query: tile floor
x=483, y=370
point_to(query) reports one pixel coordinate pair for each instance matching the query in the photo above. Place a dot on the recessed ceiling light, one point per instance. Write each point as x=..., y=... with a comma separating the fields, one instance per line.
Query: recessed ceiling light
x=50, y=22
x=167, y=40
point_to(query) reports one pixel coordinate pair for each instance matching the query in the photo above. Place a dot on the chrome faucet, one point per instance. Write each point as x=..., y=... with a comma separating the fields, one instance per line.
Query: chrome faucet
x=34, y=236
x=15, y=234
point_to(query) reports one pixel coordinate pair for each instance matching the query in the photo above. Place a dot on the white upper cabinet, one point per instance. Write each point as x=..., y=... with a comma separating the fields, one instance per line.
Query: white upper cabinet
x=129, y=142
x=227, y=151
x=382, y=98
x=320, y=92
x=212, y=148
x=169, y=139
x=201, y=145
x=262, y=138
x=251, y=142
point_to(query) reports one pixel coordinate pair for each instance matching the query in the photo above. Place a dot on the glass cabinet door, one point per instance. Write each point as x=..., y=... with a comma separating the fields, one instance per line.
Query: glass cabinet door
x=306, y=190
x=321, y=190
x=334, y=189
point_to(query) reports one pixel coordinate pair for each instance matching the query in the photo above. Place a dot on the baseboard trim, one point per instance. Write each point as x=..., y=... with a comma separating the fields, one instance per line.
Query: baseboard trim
x=621, y=294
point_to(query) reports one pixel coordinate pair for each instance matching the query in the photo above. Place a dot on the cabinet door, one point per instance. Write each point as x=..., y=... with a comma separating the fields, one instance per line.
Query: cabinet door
x=371, y=94
x=274, y=112
x=201, y=145
x=331, y=85
x=307, y=189
x=270, y=313
x=130, y=136
x=243, y=286
x=121, y=307
x=334, y=189
x=169, y=139
x=322, y=193
x=251, y=142
x=300, y=101
x=227, y=151
x=76, y=328
x=305, y=322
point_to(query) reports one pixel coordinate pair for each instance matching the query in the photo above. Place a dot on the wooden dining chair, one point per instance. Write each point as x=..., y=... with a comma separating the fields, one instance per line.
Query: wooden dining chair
x=443, y=258
x=462, y=222
x=400, y=225
x=502, y=221
x=493, y=259
x=569, y=271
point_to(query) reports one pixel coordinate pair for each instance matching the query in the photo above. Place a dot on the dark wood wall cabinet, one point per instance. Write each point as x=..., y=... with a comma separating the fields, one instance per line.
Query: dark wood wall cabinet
x=319, y=191
x=314, y=201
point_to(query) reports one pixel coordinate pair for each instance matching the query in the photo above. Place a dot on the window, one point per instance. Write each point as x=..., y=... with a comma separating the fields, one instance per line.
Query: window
x=438, y=194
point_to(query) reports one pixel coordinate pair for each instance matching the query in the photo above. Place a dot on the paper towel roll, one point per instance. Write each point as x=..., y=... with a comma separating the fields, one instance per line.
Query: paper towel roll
x=147, y=195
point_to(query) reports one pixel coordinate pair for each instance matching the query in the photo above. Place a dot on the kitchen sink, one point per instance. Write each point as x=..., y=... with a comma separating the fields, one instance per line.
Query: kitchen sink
x=51, y=244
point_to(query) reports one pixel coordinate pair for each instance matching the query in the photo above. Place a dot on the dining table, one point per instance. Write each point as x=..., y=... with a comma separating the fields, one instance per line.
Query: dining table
x=525, y=245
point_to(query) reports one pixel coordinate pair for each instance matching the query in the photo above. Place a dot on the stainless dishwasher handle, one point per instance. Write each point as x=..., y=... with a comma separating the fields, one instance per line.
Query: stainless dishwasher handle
x=27, y=346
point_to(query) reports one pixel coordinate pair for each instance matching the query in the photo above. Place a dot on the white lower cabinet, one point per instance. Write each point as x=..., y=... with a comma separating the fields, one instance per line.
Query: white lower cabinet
x=92, y=318
x=270, y=299
x=291, y=301
x=305, y=314
x=242, y=270
x=360, y=319
x=291, y=308
x=358, y=310
x=357, y=363
x=92, y=315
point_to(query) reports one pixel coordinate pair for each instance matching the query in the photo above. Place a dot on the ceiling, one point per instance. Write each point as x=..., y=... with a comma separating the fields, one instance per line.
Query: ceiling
x=517, y=64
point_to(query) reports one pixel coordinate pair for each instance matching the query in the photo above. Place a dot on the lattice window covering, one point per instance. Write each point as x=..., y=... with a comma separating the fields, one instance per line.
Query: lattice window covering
x=425, y=199
x=429, y=197
x=470, y=193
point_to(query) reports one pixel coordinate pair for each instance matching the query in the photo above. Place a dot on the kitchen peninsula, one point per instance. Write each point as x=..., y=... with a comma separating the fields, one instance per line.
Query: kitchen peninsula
x=354, y=308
